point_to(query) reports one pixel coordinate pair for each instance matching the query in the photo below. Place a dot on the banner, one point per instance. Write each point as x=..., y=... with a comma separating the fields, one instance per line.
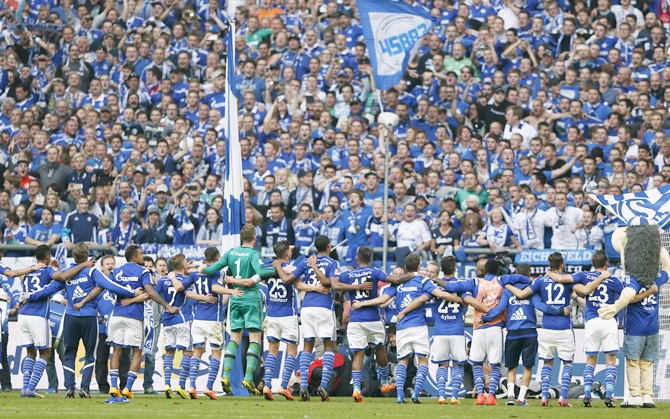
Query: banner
x=192, y=252
x=233, y=186
x=391, y=29
x=575, y=260
x=647, y=207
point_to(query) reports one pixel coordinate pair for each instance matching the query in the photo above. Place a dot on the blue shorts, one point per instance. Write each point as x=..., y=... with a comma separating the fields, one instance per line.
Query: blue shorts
x=526, y=348
x=643, y=348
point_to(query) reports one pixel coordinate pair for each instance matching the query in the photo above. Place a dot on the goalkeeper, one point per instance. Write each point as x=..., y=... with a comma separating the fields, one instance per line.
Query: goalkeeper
x=244, y=312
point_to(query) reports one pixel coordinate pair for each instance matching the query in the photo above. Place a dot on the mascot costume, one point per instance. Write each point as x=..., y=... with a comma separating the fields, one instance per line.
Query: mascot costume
x=641, y=258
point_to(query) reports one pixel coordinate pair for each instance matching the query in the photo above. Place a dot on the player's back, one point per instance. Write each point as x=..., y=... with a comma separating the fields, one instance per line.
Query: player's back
x=132, y=276
x=642, y=316
x=405, y=294
x=328, y=267
x=449, y=320
x=240, y=264
x=77, y=288
x=33, y=282
x=359, y=276
x=202, y=284
x=555, y=294
x=280, y=297
x=175, y=298
x=606, y=293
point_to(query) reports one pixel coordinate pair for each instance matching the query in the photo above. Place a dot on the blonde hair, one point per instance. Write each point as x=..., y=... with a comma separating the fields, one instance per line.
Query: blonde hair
x=104, y=221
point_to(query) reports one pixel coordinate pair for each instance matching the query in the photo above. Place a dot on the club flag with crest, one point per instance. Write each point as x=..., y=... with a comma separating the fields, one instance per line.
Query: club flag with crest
x=233, y=187
x=391, y=29
x=649, y=207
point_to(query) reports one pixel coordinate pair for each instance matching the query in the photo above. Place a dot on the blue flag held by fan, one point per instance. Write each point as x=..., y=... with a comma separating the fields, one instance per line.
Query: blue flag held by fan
x=647, y=207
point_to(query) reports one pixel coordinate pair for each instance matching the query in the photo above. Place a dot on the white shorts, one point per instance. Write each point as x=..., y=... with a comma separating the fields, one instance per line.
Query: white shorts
x=413, y=340
x=35, y=331
x=318, y=322
x=601, y=336
x=203, y=331
x=448, y=347
x=362, y=334
x=282, y=328
x=125, y=332
x=177, y=336
x=487, y=344
x=550, y=342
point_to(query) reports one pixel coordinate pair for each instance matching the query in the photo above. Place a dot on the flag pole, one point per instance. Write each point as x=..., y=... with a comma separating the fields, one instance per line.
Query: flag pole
x=387, y=152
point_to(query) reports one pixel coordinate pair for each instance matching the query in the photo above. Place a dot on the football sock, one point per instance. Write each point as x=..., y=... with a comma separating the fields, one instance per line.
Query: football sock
x=456, y=380
x=510, y=390
x=168, y=360
x=610, y=380
x=229, y=358
x=270, y=361
x=253, y=356
x=588, y=379
x=38, y=370
x=546, y=380
x=400, y=376
x=478, y=373
x=305, y=360
x=114, y=376
x=495, y=379
x=566, y=378
x=328, y=360
x=383, y=373
x=214, y=364
x=27, y=370
x=357, y=375
x=441, y=376
x=184, y=369
x=289, y=366
x=420, y=378
x=522, y=392
x=194, y=366
x=132, y=376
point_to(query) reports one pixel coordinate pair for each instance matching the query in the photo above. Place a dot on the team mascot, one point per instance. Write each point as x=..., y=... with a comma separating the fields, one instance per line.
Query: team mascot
x=639, y=244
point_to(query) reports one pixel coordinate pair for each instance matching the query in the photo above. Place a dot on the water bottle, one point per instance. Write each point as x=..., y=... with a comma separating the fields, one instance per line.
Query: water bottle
x=366, y=293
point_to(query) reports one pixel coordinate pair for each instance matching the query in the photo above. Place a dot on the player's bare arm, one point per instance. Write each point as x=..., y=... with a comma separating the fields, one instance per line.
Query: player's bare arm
x=323, y=279
x=653, y=289
x=356, y=305
x=413, y=306
x=64, y=276
x=90, y=297
x=220, y=289
x=23, y=271
x=157, y=298
x=520, y=294
x=588, y=289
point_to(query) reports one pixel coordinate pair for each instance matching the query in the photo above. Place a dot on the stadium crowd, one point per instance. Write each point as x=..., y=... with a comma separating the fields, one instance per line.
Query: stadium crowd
x=510, y=115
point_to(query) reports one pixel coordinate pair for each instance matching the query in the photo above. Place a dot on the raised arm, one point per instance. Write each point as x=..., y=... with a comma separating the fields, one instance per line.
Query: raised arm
x=215, y=267
x=561, y=278
x=70, y=273
x=23, y=271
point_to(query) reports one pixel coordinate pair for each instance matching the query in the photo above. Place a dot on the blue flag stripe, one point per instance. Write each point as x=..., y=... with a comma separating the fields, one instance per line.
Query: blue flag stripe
x=652, y=205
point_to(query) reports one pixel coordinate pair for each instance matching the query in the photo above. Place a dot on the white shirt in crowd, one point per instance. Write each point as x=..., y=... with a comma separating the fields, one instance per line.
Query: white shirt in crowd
x=412, y=234
x=563, y=222
x=529, y=227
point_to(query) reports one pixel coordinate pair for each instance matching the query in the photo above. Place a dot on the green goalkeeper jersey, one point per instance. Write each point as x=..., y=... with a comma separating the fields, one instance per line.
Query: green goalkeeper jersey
x=242, y=262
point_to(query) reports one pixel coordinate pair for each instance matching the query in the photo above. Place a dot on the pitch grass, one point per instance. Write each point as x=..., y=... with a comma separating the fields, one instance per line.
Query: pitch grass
x=12, y=406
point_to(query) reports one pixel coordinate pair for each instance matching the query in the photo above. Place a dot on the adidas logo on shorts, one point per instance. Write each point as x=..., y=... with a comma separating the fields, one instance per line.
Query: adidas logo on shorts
x=518, y=315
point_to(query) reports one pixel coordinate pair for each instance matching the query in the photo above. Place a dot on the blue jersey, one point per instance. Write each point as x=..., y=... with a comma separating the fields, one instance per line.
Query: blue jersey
x=606, y=293
x=202, y=284
x=520, y=318
x=642, y=317
x=449, y=320
x=78, y=287
x=280, y=297
x=359, y=276
x=133, y=276
x=328, y=267
x=554, y=294
x=34, y=282
x=405, y=294
x=175, y=298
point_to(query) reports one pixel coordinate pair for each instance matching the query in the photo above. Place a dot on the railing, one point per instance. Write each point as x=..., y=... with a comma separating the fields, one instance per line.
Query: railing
x=29, y=247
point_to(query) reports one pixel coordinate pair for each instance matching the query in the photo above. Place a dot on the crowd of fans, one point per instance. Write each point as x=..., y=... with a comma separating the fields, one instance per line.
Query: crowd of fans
x=511, y=113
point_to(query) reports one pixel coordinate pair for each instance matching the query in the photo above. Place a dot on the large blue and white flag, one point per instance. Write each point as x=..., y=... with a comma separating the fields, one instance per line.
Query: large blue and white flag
x=233, y=186
x=391, y=29
x=648, y=207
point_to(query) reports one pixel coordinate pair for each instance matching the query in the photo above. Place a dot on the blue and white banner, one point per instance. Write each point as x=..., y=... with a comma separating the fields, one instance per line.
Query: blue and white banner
x=541, y=257
x=192, y=252
x=233, y=187
x=649, y=207
x=56, y=314
x=391, y=29
x=148, y=346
